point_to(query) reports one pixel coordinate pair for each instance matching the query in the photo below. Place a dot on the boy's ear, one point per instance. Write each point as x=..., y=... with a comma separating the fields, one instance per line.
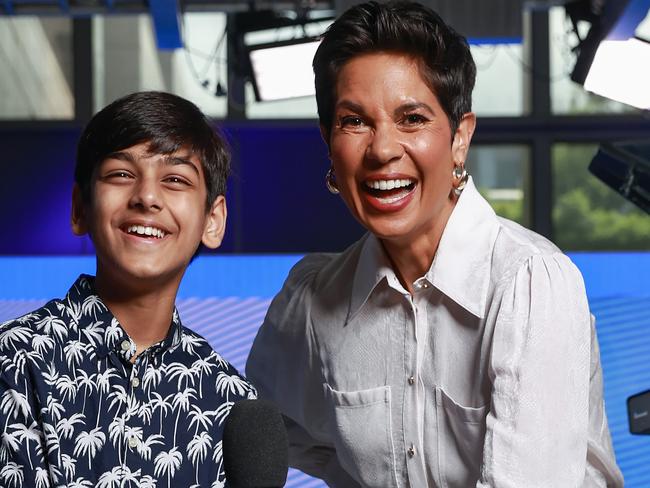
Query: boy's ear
x=324, y=134
x=215, y=224
x=78, y=215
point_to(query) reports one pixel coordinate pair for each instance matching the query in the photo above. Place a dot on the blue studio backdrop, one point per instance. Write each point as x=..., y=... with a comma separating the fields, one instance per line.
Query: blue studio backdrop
x=277, y=204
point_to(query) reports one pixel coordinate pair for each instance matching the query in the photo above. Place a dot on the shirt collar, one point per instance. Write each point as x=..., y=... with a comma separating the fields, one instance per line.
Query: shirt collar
x=460, y=268
x=372, y=268
x=99, y=327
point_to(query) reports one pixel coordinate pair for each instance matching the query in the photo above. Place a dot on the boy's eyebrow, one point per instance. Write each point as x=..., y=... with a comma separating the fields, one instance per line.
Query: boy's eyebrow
x=174, y=160
x=121, y=155
x=167, y=159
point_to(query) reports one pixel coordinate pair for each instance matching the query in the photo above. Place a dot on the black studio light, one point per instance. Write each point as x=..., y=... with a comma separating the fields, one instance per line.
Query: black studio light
x=625, y=167
x=614, y=56
x=280, y=68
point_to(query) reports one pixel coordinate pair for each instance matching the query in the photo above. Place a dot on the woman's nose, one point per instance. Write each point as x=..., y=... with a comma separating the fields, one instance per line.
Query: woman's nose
x=146, y=195
x=385, y=145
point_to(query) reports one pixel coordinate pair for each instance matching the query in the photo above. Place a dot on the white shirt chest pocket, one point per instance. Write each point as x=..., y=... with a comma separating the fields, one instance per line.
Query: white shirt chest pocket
x=461, y=435
x=362, y=434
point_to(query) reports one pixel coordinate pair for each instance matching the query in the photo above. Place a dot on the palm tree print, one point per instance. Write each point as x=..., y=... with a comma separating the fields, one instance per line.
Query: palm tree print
x=42, y=478
x=12, y=475
x=166, y=464
x=148, y=482
x=80, y=483
x=69, y=465
x=8, y=443
x=231, y=384
x=111, y=479
x=197, y=450
x=53, y=326
x=87, y=382
x=15, y=336
x=42, y=344
x=89, y=443
x=14, y=404
x=76, y=412
x=67, y=388
x=65, y=426
x=162, y=405
x=144, y=448
x=181, y=402
x=28, y=434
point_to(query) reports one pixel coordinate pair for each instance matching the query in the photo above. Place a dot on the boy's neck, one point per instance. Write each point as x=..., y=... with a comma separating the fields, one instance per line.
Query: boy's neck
x=145, y=314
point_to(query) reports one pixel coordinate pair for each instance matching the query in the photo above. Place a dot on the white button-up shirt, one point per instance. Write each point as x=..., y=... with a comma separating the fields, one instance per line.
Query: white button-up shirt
x=487, y=375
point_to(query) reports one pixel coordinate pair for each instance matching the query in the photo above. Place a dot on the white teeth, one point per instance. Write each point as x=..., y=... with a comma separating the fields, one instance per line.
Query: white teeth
x=391, y=199
x=146, y=231
x=388, y=184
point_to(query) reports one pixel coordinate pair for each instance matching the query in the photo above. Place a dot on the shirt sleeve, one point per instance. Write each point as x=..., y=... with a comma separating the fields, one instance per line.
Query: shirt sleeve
x=285, y=367
x=537, y=426
x=21, y=438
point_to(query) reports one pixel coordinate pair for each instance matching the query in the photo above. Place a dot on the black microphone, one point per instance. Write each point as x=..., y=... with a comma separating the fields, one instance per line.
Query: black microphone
x=255, y=446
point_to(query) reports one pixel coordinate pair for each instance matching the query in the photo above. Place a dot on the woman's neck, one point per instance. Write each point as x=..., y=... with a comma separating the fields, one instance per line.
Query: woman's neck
x=412, y=256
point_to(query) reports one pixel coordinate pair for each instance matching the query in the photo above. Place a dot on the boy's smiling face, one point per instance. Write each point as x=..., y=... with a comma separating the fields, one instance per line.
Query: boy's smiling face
x=147, y=215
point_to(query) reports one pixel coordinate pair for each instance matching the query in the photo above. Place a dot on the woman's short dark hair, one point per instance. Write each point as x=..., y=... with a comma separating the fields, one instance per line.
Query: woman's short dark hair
x=409, y=28
x=167, y=123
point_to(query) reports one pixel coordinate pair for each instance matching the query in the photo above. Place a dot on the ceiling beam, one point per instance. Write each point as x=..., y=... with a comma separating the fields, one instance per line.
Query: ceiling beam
x=166, y=18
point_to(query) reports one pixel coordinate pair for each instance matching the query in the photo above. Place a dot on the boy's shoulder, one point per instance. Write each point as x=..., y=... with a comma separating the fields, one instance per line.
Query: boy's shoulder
x=206, y=360
x=24, y=333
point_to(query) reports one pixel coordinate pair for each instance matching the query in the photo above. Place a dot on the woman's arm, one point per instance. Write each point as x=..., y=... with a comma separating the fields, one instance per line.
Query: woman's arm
x=285, y=368
x=538, y=426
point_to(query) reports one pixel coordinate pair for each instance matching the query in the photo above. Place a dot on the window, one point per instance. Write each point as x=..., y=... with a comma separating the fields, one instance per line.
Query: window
x=36, y=75
x=501, y=174
x=126, y=59
x=499, y=89
x=587, y=214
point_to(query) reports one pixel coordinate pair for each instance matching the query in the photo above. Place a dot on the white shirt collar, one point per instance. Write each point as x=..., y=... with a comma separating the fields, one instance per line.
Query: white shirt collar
x=461, y=266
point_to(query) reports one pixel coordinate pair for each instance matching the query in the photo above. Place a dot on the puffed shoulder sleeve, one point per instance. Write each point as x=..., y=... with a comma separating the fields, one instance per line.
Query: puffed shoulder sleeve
x=537, y=427
x=285, y=367
x=281, y=362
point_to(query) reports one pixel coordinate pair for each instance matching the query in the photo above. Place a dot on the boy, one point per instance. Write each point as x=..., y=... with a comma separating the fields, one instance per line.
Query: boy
x=106, y=387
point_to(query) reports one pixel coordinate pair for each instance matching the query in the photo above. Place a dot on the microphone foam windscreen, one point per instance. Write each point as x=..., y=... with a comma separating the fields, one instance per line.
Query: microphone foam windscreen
x=255, y=446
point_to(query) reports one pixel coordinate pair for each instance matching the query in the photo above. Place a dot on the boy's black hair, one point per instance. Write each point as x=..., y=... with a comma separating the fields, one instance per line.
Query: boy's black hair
x=409, y=28
x=167, y=123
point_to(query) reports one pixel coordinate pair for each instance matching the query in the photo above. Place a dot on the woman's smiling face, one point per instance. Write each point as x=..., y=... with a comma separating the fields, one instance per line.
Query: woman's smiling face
x=392, y=148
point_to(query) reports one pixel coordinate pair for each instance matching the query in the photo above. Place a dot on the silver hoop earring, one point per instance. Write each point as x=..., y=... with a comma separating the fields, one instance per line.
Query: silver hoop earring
x=459, y=174
x=330, y=182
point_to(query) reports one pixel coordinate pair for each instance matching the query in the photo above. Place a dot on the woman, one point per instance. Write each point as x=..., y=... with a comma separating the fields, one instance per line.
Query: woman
x=448, y=347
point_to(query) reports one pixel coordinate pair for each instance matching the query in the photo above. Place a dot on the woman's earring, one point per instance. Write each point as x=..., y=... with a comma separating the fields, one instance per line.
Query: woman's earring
x=330, y=181
x=459, y=174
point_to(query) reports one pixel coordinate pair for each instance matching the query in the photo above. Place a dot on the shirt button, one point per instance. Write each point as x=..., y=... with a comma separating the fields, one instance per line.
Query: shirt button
x=411, y=451
x=133, y=442
x=421, y=283
x=135, y=382
x=126, y=345
x=411, y=380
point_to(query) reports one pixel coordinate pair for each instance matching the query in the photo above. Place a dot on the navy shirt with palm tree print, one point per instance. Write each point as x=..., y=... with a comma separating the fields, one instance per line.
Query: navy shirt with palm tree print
x=75, y=412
